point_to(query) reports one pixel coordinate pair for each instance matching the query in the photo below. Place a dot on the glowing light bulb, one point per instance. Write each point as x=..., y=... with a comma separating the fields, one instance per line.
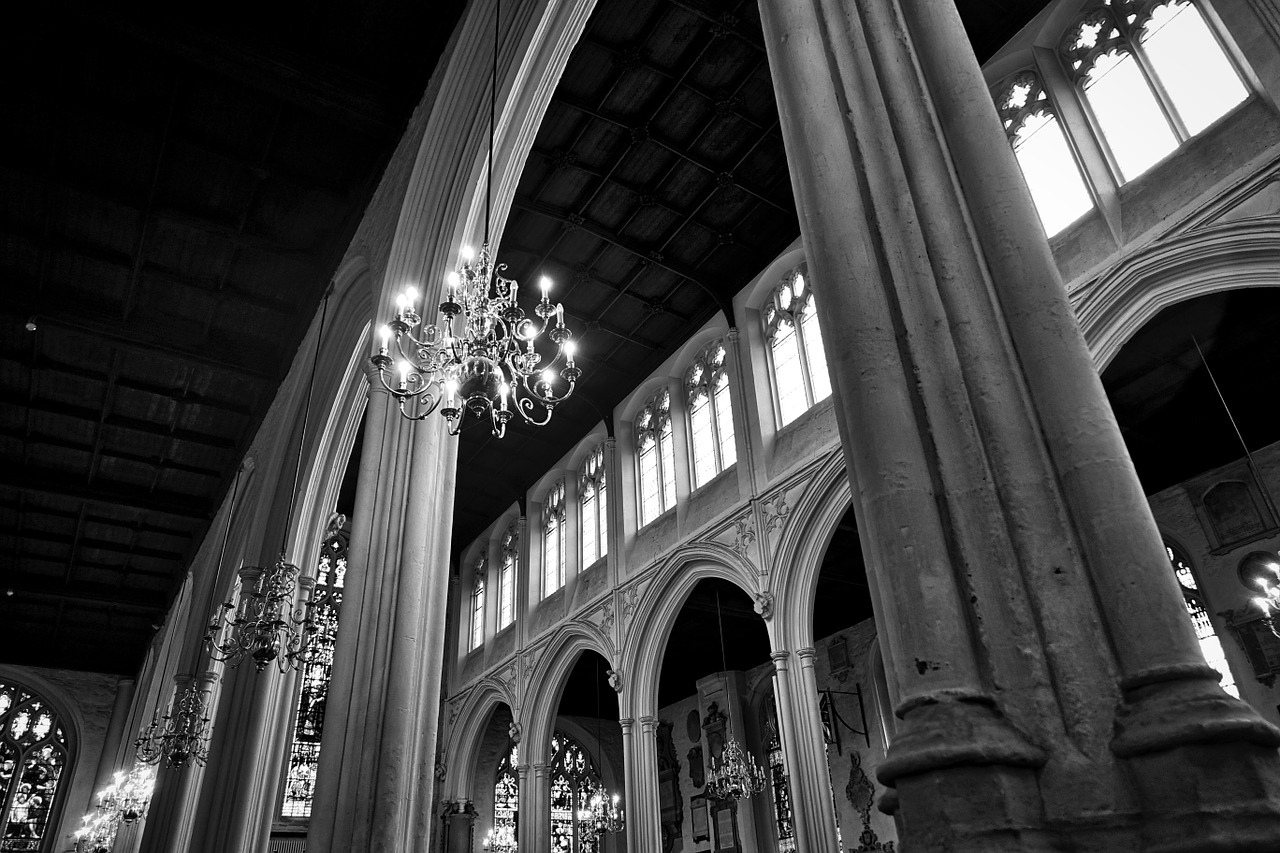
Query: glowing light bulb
x=467, y=254
x=503, y=390
x=452, y=280
x=548, y=377
x=411, y=296
x=569, y=349
x=450, y=389
x=545, y=284
x=385, y=333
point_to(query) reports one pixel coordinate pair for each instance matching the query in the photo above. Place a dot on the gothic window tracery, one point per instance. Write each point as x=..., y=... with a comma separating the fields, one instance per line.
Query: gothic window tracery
x=304, y=746
x=574, y=779
x=800, y=376
x=1153, y=75
x=655, y=453
x=507, y=575
x=593, y=500
x=782, y=817
x=1040, y=146
x=711, y=436
x=33, y=757
x=1210, y=644
x=553, y=550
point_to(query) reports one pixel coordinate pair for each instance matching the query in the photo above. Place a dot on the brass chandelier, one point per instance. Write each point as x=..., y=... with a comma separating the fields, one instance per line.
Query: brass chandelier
x=122, y=803
x=481, y=357
x=736, y=774
x=181, y=736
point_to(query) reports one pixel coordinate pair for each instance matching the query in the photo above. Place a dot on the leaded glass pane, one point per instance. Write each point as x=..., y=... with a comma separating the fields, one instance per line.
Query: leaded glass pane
x=506, y=806
x=32, y=758
x=702, y=438
x=304, y=749
x=1210, y=645
x=507, y=576
x=788, y=376
x=574, y=779
x=814, y=353
x=782, y=817
x=655, y=457
x=1191, y=65
x=667, y=445
x=553, y=522
x=477, y=605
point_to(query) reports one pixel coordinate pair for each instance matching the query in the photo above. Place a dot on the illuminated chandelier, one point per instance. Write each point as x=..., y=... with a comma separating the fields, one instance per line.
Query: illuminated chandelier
x=181, y=736
x=502, y=838
x=482, y=357
x=274, y=622
x=602, y=814
x=736, y=774
x=124, y=802
x=1269, y=601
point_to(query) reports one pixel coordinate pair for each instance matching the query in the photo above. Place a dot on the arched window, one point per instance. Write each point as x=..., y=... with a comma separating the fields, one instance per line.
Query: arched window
x=33, y=756
x=782, y=818
x=656, y=457
x=506, y=804
x=313, y=695
x=507, y=576
x=477, y=603
x=593, y=498
x=1050, y=169
x=706, y=385
x=1152, y=73
x=795, y=344
x=553, y=552
x=574, y=779
x=1210, y=645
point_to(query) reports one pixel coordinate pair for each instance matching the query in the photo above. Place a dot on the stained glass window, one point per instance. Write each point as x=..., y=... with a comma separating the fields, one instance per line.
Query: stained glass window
x=594, y=501
x=574, y=779
x=795, y=345
x=304, y=748
x=1210, y=645
x=507, y=576
x=477, y=603
x=33, y=754
x=553, y=555
x=656, y=457
x=710, y=414
x=1040, y=146
x=506, y=805
x=1153, y=75
x=782, y=817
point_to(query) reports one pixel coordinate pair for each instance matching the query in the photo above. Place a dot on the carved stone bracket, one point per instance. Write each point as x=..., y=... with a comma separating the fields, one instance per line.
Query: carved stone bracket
x=764, y=605
x=615, y=680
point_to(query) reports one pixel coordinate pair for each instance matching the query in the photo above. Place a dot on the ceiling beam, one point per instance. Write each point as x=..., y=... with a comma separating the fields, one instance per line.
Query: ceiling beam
x=104, y=545
x=108, y=494
x=23, y=507
x=87, y=413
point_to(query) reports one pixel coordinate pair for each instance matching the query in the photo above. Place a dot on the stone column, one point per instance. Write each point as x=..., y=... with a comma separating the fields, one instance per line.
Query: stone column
x=378, y=751
x=458, y=818
x=810, y=797
x=535, y=808
x=1019, y=581
x=109, y=760
x=644, y=818
x=524, y=822
x=629, y=799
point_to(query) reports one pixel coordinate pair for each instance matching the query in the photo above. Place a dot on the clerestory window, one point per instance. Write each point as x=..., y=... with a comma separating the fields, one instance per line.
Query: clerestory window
x=1040, y=146
x=800, y=376
x=507, y=576
x=655, y=457
x=477, y=603
x=553, y=551
x=593, y=500
x=710, y=414
x=1153, y=75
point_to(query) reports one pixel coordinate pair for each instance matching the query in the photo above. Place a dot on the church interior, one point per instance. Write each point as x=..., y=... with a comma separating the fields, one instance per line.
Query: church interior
x=844, y=430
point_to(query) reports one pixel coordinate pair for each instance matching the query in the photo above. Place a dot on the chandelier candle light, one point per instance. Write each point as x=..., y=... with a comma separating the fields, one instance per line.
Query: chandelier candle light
x=736, y=774
x=482, y=356
x=122, y=803
x=274, y=621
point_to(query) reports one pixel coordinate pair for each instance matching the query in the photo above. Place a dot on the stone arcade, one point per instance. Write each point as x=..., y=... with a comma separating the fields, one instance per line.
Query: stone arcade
x=1020, y=653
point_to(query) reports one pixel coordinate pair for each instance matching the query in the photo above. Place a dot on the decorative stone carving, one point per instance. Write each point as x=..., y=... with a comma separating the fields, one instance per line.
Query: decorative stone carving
x=861, y=792
x=514, y=731
x=442, y=770
x=615, y=680
x=697, y=774
x=764, y=605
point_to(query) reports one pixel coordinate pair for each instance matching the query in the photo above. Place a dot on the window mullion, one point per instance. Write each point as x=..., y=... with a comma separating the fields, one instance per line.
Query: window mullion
x=797, y=310
x=1162, y=96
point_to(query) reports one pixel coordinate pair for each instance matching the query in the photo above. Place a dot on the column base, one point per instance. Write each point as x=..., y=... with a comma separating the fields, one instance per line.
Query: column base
x=1204, y=764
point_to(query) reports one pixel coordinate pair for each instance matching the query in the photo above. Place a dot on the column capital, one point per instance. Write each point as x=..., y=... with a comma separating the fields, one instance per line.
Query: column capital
x=780, y=659
x=806, y=655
